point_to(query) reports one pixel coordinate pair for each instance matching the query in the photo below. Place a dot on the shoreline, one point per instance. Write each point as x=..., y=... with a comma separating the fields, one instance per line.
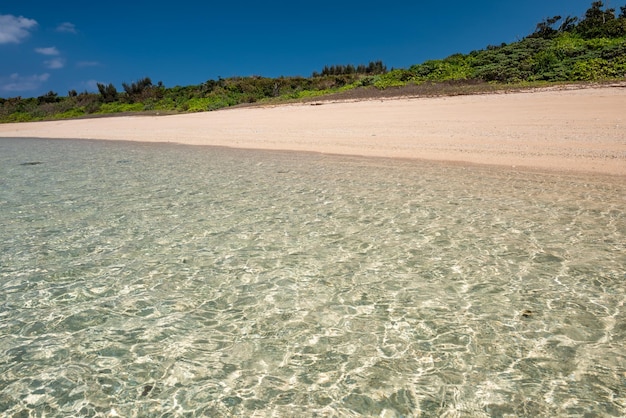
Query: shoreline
x=564, y=130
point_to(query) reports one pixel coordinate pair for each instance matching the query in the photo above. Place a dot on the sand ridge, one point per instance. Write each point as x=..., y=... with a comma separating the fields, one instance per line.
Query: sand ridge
x=575, y=130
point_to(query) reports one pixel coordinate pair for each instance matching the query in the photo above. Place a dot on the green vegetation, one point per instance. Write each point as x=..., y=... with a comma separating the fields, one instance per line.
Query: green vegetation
x=587, y=49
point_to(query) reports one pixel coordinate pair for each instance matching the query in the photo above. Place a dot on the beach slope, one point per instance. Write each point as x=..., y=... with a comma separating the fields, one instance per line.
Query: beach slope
x=575, y=130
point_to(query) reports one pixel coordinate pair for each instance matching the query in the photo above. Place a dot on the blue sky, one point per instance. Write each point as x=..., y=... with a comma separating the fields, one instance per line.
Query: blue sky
x=67, y=45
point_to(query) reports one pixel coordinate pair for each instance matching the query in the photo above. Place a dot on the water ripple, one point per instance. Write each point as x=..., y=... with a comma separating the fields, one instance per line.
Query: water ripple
x=212, y=282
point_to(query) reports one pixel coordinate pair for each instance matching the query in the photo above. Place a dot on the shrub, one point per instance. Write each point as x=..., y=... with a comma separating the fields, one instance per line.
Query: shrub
x=196, y=105
x=391, y=79
x=19, y=117
x=69, y=114
x=120, y=107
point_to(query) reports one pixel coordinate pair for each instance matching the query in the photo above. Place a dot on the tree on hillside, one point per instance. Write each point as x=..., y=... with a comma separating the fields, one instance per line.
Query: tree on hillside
x=569, y=24
x=545, y=29
x=601, y=23
x=49, y=97
x=374, y=67
x=108, y=93
x=136, y=90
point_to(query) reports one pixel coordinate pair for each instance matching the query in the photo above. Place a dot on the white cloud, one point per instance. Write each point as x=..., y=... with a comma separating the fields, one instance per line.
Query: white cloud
x=14, y=29
x=55, y=63
x=67, y=27
x=17, y=83
x=48, y=51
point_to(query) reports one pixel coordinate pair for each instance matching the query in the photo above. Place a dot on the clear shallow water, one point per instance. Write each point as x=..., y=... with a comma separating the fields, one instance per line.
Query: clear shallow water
x=156, y=280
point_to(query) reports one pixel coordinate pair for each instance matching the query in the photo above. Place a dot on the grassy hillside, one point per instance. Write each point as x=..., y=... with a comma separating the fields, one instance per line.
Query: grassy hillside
x=589, y=48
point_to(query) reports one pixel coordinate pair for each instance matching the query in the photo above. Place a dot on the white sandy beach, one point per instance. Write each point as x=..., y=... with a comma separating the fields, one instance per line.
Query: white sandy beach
x=575, y=130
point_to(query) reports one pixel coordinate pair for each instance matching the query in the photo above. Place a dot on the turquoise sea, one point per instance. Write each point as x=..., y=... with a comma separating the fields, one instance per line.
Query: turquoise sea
x=146, y=280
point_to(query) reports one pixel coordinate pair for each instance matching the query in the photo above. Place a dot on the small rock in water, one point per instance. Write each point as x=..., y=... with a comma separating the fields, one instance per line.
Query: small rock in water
x=146, y=390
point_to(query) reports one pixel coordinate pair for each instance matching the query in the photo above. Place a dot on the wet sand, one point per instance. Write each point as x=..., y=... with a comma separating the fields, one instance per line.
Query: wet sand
x=573, y=130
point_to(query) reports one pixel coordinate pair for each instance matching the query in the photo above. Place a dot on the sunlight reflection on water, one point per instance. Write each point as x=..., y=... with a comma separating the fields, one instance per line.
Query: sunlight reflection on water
x=142, y=279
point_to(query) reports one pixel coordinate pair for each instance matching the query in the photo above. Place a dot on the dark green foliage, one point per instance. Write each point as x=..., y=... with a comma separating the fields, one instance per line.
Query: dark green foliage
x=568, y=25
x=48, y=106
x=601, y=23
x=50, y=97
x=108, y=93
x=374, y=67
x=545, y=29
x=139, y=90
x=137, y=87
